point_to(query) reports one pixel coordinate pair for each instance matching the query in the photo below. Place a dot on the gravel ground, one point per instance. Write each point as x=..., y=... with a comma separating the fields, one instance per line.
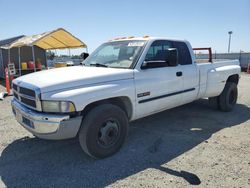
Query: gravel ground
x=189, y=146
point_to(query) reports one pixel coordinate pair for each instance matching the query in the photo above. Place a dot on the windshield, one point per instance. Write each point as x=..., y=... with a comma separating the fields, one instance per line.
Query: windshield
x=118, y=54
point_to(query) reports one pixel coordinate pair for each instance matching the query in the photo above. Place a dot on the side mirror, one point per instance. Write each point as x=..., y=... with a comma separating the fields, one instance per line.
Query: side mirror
x=172, y=57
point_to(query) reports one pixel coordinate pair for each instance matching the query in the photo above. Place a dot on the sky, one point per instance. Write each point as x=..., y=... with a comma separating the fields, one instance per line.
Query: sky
x=205, y=23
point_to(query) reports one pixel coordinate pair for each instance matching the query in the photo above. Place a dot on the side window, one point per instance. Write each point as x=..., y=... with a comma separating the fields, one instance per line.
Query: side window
x=184, y=57
x=157, y=50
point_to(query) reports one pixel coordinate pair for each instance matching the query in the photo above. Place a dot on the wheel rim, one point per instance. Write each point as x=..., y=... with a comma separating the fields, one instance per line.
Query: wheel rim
x=232, y=97
x=108, y=133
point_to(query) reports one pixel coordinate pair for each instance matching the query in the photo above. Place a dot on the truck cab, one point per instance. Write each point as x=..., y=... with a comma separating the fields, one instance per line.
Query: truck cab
x=179, y=82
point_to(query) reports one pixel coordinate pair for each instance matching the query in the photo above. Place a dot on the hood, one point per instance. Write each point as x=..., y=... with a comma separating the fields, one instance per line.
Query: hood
x=67, y=77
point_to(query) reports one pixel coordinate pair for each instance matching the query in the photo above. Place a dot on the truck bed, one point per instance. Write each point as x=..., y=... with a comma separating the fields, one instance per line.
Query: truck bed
x=214, y=75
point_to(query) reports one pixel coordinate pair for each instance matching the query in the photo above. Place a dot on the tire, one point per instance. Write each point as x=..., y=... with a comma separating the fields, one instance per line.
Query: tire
x=103, y=131
x=228, y=97
x=214, y=103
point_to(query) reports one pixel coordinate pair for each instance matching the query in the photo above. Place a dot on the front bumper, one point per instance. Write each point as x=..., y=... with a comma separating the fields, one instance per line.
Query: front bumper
x=46, y=126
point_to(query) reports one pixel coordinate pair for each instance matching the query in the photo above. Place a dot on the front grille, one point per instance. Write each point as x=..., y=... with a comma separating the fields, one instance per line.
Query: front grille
x=14, y=87
x=15, y=95
x=28, y=102
x=26, y=96
x=28, y=92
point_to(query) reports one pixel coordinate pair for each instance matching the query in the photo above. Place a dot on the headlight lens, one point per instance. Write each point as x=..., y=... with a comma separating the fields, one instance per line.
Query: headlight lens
x=58, y=106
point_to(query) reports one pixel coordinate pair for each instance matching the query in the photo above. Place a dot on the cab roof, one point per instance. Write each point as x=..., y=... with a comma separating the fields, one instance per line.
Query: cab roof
x=144, y=38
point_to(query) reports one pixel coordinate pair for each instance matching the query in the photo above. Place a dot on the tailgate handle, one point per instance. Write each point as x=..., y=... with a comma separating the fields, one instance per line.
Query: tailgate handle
x=179, y=73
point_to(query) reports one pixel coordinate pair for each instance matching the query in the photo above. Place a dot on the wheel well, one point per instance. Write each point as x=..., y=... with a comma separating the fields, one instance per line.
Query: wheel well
x=123, y=102
x=233, y=78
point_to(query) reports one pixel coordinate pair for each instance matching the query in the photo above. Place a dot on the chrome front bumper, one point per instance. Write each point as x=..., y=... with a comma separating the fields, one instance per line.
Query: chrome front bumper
x=47, y=126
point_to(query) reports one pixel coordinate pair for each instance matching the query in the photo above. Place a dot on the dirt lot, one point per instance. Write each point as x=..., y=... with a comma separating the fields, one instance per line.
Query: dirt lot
x=191, y=145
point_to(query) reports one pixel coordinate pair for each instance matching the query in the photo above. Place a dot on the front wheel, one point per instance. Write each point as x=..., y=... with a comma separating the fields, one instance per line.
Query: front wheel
x=228, y=97
x=103, y=130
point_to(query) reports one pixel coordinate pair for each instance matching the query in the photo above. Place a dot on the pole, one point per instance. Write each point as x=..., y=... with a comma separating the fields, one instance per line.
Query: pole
x=240, y=57
x=229, y=42
x=9, y=55
x=2, y=65
x=46, y=59
x=1, y=54
x=34, y=60
x=69, y=52
x=19, y=60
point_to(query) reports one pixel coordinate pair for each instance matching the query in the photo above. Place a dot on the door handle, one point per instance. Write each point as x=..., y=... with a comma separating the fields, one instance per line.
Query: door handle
x=179, y=73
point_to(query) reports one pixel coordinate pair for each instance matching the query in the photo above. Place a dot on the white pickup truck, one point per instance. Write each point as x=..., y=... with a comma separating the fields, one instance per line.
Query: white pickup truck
x=121, y=81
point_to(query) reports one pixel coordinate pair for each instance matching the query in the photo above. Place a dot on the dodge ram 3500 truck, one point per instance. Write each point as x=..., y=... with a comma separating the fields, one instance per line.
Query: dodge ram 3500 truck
x=121, y=81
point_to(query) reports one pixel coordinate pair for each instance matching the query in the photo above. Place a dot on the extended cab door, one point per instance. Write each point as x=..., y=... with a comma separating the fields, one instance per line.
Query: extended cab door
x=189, y=71
x=158, y=88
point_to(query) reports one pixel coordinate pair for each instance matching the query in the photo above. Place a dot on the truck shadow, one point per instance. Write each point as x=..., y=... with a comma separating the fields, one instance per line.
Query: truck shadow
x=152, y=142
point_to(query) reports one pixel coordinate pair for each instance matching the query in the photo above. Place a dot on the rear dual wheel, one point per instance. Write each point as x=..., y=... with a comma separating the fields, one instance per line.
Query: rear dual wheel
x=227, y=99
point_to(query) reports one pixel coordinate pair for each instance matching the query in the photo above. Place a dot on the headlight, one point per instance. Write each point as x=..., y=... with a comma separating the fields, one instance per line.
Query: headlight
x=58, y=106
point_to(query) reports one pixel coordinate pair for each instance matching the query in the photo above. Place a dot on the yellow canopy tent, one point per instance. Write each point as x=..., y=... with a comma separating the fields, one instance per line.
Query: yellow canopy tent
x=57, y=39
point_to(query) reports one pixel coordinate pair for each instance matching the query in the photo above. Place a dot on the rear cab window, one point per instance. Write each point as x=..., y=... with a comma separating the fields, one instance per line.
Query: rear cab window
x=184, y=57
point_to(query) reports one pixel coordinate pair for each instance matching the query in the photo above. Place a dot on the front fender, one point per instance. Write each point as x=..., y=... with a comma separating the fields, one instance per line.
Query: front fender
x=85, y=95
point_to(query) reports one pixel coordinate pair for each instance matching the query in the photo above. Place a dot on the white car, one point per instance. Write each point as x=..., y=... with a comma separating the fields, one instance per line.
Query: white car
x=121, y=81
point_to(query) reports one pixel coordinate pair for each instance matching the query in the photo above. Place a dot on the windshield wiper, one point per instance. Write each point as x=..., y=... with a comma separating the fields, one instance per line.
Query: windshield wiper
x=98, y=65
